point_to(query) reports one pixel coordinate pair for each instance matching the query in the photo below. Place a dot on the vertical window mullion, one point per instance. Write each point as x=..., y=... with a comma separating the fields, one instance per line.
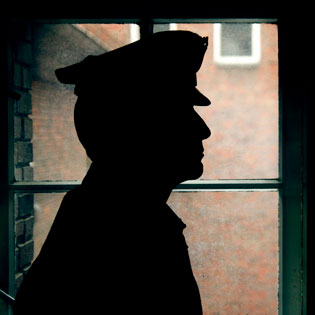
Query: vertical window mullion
x=146, y=28
x=7, y=265
x=292, y=200
x=291, y=96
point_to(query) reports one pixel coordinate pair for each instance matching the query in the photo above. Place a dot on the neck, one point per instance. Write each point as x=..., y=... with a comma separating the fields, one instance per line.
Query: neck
x=137, y=186
x=156, y=190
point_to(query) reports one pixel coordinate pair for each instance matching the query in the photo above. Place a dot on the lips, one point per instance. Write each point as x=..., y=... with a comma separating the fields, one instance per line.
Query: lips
x=202, y=152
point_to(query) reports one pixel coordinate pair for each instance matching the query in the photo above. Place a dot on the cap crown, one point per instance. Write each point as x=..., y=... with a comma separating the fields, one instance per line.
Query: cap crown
x=171, y=56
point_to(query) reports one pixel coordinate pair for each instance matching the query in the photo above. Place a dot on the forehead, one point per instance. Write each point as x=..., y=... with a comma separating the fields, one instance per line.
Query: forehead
x=174, y=114
x=180, y=92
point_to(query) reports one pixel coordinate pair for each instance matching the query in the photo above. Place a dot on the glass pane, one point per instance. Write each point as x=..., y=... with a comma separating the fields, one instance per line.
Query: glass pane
x=34, y=215
x=46, y=144
x=236, y=39
x=243, y=116
x=164, y=27
x=233, y=246
x=161, y=27
x=232, y=238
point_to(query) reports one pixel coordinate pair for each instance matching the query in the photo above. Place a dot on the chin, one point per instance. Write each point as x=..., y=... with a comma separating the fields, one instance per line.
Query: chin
x=193, y=173
x=197, y=173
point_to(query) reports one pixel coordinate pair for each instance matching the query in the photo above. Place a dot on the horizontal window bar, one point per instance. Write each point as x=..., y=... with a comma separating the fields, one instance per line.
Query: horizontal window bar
x=230, y=184
x=138, y=20
x=215, y=20
x=45, y=186
x=194, y=185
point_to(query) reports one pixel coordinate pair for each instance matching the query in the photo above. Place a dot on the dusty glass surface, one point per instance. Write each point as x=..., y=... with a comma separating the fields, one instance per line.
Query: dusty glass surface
x=45, y=210
x=164, y=27
x=233, y=242
x=244, y=114
x=236, y=39
x=34, y=216
x=56, y=151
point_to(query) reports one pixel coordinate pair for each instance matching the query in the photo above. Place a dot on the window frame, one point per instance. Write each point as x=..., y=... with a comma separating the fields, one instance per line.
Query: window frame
x=292, y=207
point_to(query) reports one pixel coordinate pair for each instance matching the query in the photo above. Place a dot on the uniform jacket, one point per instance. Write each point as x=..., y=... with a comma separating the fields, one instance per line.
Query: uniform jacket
x=111, y=251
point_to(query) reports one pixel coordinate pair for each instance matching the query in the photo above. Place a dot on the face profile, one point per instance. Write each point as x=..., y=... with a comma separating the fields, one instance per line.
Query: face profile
x=183, y=147
x=153, y=126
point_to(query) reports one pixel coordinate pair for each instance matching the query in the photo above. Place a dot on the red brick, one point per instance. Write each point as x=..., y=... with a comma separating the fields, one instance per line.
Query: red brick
x=26, y=252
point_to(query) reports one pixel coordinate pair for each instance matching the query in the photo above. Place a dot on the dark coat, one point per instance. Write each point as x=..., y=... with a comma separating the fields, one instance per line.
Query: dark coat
x=111, y=253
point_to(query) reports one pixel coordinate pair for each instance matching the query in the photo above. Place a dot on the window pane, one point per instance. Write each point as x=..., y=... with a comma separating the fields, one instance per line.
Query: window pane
x=243, y=116
x=161, y=27
x=233, y=247
x=46, y=144
x=34, y=215
x=164, y=27
x=232, y=238
x=236, y=39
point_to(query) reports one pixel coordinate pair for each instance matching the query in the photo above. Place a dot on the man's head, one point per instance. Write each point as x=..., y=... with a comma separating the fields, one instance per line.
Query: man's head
x=135, y=105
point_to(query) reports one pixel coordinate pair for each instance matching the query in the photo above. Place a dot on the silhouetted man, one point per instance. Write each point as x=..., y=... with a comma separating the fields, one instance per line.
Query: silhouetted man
x=115, y=246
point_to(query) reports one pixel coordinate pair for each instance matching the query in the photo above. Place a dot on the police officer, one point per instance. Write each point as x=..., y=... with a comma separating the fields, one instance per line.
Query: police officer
x=115, y=246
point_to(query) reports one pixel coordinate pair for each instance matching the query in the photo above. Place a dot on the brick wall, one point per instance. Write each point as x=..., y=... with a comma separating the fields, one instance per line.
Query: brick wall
x=109, y=36
x=24, y=242
x=58, y=154
x=22, y=82
x=22, y=60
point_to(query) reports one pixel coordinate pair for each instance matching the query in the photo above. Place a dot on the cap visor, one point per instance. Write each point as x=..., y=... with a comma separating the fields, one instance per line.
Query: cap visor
x=68, y=75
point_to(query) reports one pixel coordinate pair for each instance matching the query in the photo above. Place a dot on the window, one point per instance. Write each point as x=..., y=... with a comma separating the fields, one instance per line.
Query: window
x=243, y=216
x=237, y=44
x=164, y=27
x=134, y=32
